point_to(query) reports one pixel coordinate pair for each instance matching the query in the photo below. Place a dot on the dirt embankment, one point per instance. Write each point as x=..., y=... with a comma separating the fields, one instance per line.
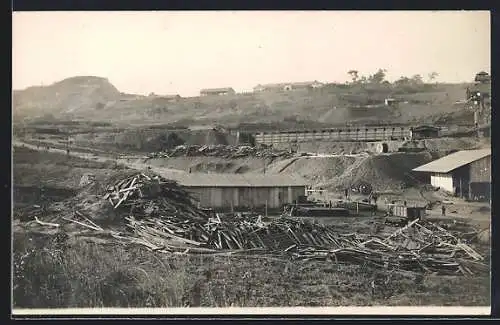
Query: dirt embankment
x=383, y=172
x=209, y=164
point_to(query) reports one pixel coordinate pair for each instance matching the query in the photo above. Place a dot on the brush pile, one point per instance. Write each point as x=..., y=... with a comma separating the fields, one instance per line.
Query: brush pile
x=223, y=151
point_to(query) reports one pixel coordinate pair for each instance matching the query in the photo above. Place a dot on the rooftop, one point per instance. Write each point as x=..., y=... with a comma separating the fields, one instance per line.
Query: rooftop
x=214, y=90
x=454, y=161
x=237, y=180
x=283, y=84
x=425, y=127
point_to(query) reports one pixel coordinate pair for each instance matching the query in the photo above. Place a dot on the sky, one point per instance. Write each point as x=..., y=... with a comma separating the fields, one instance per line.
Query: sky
x=181, y=52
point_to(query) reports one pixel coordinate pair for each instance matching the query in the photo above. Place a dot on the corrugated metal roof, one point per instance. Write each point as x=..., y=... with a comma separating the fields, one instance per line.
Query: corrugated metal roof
x=454, y=161
x=238, y=180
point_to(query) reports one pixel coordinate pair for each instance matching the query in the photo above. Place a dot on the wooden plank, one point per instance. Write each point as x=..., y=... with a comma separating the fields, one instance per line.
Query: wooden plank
x=82, y=224
x=46, y=223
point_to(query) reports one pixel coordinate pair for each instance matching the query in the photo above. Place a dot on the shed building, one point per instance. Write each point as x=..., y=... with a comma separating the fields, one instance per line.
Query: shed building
x=424, y=132
x=278, y=87
x=243, y=192
x=464, y=173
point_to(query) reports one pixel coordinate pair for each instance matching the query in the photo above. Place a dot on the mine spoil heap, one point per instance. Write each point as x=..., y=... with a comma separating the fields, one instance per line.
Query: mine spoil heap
x=161, y=216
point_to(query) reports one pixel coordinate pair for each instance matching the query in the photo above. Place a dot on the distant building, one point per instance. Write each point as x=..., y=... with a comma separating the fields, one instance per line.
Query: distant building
x=391, y=102
x=217, y=91
x=166, y=98
x=464, y=173
x=268, y=87
x=483, y=77
x=424, y=132
x=277, y=87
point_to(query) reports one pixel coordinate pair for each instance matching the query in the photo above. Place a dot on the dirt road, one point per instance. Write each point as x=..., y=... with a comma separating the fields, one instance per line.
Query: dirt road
x=134, y=162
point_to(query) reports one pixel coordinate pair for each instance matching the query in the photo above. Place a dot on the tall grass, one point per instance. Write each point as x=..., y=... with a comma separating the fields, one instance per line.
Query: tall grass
x=58, y=271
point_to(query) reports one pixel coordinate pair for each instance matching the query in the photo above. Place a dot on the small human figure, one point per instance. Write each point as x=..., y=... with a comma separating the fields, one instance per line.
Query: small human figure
x=443, y=210
x=346, y=193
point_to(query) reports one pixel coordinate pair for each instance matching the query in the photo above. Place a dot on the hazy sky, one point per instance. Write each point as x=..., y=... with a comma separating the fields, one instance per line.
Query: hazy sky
x=181, y=52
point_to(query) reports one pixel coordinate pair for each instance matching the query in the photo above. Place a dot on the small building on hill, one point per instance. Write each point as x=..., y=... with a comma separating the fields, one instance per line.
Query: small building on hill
x=424, y=132
x=392, y=102
x=217, y=91
x=483, y=77
x=465, y=173
x=288, y=86
x=161, y=99
x=243, y=192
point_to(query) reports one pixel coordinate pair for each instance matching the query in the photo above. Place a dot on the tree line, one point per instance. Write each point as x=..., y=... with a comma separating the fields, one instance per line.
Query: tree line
x=379, y=77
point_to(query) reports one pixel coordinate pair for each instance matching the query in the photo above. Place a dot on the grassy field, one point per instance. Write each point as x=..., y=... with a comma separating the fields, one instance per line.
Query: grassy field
x=57, y=272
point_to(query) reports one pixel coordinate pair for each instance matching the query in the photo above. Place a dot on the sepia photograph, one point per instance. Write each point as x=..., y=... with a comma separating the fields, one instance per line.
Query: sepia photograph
x=272, y=162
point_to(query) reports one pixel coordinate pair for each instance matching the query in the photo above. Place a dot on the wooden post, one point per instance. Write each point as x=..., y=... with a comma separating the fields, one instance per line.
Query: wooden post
x=232, y=207
x=357, y=207
x=266, y=208
x=460, y=184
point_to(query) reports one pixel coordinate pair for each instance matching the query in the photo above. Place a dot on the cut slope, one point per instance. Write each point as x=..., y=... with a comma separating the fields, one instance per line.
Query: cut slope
x=383, y=172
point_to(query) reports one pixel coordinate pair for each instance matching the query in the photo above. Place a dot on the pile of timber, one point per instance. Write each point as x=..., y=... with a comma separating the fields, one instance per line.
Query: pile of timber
x=141, y=195
x=225, y=151
x=419, y=246
x=240, y=234
x=160, y=215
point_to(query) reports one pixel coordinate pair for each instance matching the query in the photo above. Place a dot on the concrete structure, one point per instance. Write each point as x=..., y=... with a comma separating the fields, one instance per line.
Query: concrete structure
x=464, y=173
x=243, y=192
x=424, y=132
x=217, y=92
x=288, y=86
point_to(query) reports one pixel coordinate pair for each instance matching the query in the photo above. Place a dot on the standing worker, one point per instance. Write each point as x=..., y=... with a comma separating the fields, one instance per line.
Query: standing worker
x=346, y=193
x=443, y=210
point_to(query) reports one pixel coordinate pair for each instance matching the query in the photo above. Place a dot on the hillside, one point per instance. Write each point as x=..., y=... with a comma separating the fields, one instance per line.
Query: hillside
x=96, y=99
x=76, y=94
